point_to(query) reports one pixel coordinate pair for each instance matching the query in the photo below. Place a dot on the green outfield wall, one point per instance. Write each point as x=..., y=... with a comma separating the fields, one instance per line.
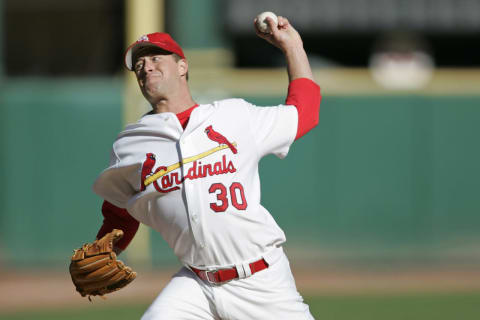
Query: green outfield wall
x=381, y=180
x=55, y=139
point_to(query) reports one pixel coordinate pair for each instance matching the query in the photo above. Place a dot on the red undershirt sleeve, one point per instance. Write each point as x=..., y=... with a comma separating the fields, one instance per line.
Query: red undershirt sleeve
x=304, y=94
x=118, y=218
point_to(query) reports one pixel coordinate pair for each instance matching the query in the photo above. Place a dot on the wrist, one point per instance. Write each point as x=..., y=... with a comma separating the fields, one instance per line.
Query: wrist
x=293, y=49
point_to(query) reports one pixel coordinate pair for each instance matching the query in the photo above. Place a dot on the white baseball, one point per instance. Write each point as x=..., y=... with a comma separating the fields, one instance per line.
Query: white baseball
x=262, y=24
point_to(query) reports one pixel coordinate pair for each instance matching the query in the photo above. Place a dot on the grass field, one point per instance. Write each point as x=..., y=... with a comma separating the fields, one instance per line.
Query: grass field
x=411, y=306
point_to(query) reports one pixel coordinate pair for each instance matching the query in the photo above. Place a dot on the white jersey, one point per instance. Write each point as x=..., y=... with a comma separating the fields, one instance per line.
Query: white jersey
x=200, y=187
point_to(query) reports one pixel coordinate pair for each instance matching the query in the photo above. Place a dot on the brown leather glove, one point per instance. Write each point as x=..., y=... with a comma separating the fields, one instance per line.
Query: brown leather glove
x=95, y=270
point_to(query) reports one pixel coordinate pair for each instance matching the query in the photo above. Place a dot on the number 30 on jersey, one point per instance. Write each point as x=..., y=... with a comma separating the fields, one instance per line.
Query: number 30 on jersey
x=234, y=194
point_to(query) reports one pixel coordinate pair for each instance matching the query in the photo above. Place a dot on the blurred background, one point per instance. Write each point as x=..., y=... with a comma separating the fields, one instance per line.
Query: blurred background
x=380, y=203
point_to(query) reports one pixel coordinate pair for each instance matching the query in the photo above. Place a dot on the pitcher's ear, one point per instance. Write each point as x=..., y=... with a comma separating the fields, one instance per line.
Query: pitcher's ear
x=182, y=67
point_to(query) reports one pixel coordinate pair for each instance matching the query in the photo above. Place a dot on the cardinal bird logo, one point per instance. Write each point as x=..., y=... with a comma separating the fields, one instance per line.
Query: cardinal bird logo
x=147, y=168
x=218, y=137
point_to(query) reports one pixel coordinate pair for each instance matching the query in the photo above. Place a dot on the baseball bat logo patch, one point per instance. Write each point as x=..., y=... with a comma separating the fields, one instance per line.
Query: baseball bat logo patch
x=167, y=179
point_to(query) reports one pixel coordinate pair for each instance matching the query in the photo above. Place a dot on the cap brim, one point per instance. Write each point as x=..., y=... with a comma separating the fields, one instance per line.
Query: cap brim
x=130, y=51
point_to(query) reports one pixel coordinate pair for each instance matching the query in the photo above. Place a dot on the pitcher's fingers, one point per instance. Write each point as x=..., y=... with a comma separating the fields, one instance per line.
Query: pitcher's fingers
x=282, y=22
x=272, y=25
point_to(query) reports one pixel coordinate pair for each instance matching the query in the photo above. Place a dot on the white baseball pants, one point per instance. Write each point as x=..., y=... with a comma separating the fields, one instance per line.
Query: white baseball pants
x=268, y=294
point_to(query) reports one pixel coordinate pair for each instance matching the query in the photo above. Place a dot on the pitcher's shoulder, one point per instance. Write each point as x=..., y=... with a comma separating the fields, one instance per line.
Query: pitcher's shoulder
x=230, y=103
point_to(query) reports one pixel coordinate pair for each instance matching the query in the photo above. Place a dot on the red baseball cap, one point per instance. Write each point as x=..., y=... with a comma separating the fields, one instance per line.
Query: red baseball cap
x=161, y=40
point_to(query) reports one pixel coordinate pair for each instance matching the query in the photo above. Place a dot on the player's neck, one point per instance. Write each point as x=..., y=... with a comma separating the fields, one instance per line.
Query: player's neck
x=173, y=104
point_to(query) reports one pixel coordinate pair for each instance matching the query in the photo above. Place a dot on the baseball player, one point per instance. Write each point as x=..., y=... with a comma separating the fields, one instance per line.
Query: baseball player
x=190, y=172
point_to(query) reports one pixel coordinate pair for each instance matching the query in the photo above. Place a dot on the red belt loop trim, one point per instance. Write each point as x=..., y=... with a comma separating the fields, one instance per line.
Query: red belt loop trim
x=224, y=275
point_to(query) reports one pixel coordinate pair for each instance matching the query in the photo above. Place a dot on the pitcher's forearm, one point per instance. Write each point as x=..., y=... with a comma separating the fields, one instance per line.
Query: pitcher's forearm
x=297, y=64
